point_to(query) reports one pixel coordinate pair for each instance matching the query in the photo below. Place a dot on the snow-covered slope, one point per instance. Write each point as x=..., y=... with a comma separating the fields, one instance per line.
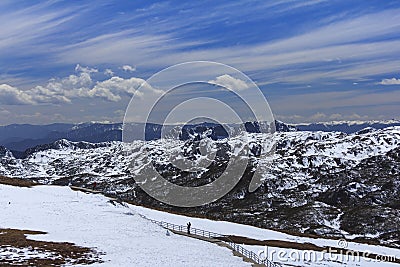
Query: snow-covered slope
x=129, y=240
x=91, y=221
x=321, y=183
x=289, y=257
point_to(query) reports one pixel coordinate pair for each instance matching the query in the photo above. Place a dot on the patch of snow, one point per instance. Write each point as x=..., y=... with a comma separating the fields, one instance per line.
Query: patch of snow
x=91, y=221
x=229, y=228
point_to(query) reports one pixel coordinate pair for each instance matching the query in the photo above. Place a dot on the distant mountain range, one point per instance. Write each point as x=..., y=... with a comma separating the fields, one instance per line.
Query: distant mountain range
x=345, y=126
x=20, y=137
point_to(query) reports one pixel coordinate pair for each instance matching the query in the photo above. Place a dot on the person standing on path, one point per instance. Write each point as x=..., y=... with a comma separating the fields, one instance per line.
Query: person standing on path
x=188, y=227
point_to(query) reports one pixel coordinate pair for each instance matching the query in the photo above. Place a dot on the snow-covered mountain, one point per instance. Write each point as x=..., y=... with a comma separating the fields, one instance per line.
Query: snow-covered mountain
x=345, y=126
x=319, y=183
x=19, y=137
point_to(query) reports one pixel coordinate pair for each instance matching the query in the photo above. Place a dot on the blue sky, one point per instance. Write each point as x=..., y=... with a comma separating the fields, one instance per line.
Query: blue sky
x=75, y=61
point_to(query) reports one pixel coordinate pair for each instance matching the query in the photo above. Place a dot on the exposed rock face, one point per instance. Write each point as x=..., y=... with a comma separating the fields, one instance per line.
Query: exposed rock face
x=4, y=152
x=322, y=183
x=64, y=144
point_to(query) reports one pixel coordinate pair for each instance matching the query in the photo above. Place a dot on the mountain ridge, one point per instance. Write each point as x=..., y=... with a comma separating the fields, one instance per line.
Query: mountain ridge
x=20, y=137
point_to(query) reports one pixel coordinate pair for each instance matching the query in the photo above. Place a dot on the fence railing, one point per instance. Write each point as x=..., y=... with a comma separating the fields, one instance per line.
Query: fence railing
x=204, y=233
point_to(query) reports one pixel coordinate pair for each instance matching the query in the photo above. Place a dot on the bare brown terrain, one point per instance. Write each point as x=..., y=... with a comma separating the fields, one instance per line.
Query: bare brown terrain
x=17, y=250
x=17, y=182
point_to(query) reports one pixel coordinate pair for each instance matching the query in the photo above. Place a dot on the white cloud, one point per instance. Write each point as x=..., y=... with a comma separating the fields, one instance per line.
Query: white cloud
x=336, y=116
x=289, y=118
x=79, y=68
x=318, y=116
x=128, y=68
x=392, y=81
x=58, y=91
x=12, y=96
x=309, y=102
x=347, y=117
x=230, y=82
x=115, y=87
x=322, y=117
x=108, y=72
x=4, y=112
x=45, y=95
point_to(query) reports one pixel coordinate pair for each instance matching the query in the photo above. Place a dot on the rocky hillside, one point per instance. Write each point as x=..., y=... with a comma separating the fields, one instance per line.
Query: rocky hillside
x=320, y=183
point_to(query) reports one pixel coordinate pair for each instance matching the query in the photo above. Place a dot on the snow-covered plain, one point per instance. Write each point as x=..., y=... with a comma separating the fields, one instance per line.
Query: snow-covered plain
x=91, y=221
x=129, y=240
x=229, y=228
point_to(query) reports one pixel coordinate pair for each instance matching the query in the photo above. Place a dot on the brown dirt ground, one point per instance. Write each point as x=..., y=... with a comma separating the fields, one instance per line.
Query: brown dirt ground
x=67, y=253
x=17, y=182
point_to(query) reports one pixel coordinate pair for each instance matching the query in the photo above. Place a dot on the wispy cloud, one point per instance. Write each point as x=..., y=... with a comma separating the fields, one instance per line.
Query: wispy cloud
x=31, y=25
x=343, y=42
x=333, y=51
x=284, y=42
x=392, y=81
